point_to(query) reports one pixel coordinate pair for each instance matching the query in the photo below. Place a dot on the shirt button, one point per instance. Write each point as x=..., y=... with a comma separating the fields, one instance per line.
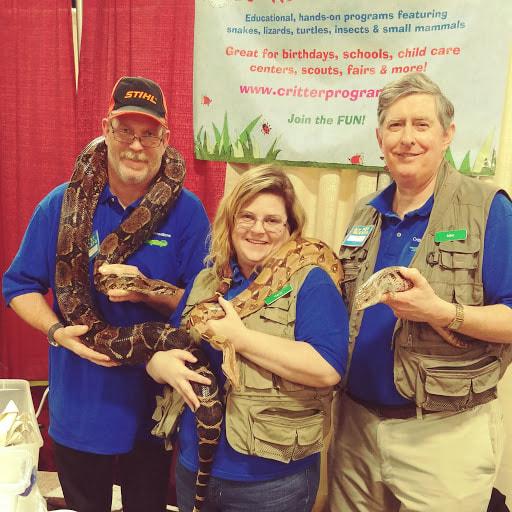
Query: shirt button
x=398, y=235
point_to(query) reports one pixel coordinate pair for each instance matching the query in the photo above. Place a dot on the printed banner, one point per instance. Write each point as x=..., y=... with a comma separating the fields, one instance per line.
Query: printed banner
x=298, y=81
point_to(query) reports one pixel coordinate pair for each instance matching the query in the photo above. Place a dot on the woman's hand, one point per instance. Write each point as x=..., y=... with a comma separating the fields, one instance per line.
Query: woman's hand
x=229, y=327
x=169, y=368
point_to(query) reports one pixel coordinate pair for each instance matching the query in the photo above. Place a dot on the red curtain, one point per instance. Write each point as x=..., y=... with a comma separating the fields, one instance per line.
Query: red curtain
x=37, y=145
x=154, y=39
x=42, y=130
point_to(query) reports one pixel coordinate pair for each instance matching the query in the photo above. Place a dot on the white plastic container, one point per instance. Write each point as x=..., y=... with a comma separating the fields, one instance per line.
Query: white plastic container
x=18, y=463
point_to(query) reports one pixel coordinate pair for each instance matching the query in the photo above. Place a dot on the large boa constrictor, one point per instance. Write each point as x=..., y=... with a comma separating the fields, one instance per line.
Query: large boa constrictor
x=135, y=344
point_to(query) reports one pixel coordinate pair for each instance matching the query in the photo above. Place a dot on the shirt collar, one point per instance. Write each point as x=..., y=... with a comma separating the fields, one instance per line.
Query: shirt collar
x=383, y=203
x=107, y=195
x=238, y=277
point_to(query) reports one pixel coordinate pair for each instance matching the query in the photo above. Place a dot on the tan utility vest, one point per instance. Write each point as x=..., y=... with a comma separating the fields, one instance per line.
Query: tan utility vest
x=428, y=371
x=269, y=416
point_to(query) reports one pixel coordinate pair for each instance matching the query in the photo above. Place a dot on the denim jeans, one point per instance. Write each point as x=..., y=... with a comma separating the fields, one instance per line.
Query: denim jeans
x=292, y=493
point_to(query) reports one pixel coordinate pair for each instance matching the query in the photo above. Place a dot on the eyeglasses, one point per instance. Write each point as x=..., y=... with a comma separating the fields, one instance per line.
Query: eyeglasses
x=271, y=223
x=127, y=137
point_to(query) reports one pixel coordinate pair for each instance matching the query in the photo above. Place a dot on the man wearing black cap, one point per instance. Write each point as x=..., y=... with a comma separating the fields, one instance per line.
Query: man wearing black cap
x=100, y=411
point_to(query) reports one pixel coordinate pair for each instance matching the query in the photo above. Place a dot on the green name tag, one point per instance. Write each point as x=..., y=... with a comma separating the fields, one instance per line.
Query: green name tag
x=157, y=243
x=448, y=236
x=287, y=288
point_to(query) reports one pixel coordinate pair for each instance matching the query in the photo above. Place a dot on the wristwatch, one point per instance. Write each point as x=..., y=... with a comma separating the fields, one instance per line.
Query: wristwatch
x=457, y=322
x=51, y=332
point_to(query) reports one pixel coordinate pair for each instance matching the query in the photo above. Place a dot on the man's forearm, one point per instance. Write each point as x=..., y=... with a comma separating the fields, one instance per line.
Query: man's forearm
x=33, y=309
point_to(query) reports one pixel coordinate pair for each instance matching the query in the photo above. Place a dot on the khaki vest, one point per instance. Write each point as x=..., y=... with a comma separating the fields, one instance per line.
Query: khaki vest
x=269, y=416
x=435, y=375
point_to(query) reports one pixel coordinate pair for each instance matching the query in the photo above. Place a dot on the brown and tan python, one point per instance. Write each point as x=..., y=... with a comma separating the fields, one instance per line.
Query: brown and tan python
x=278, y=269
x=292, y=256
x=135, y=344
x=390, y=280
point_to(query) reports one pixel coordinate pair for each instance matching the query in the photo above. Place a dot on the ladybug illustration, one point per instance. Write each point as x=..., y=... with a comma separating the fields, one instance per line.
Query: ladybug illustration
x=356, y=159
x=206, y=100
x=265, y=128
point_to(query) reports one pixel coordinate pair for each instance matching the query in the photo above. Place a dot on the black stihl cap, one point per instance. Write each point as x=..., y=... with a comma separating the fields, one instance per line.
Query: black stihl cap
x=137, y=95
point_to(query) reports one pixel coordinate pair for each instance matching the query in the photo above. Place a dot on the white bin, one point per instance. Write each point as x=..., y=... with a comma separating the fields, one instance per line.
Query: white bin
x=18, y=463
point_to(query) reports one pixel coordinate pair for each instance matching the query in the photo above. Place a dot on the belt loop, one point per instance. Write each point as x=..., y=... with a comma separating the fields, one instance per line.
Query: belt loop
x=419, y=413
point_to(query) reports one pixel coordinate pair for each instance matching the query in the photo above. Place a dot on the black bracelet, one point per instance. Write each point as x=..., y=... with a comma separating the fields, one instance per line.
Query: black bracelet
x=51, y=332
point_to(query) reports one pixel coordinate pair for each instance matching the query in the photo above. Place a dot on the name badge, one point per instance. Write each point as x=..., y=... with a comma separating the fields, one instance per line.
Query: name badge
x=287, y=288
x=157, y=243
x=357, y=236
x=449, y=236
x=94, y=245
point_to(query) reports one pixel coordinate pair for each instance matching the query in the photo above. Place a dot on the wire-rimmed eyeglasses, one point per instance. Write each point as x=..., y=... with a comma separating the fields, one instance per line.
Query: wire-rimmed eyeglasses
x=127, y=137
x=271, y=223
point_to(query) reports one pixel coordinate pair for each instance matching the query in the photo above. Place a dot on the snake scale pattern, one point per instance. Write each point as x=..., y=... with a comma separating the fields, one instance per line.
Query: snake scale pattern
x=390, y=280
x=136, y=344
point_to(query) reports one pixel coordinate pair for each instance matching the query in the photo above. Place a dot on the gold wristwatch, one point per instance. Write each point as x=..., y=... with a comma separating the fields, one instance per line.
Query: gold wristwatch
x=457, y=322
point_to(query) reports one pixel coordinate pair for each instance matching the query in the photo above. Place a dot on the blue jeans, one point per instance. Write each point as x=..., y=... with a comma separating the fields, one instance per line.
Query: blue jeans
x=293, y=493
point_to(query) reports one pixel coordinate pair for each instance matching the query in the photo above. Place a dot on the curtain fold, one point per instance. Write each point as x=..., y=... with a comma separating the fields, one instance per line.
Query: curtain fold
x=37, y=145
x=153, y=39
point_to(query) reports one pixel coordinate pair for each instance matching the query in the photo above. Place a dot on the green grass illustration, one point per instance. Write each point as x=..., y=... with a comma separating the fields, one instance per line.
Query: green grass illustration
x=220, y=146
x=243, y=149
x=484, y=163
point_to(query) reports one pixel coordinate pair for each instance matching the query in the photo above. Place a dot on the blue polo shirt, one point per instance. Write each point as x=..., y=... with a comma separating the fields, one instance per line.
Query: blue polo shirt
x=321, y=321
x=371, y=370
x=93, y=408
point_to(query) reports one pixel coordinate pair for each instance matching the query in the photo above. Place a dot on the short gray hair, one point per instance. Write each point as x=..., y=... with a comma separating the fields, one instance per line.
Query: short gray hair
x=415, y=83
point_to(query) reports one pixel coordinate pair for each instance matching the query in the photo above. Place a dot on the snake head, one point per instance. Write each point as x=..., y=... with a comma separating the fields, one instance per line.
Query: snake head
x=387, y=280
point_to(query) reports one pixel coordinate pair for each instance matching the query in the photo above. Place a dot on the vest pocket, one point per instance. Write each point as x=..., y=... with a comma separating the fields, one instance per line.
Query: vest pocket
x=455, y=388
x=255, y=377
x=285, y=435
x=167, y=413
x=276, y=316
x=459, y=254
x=277, y=312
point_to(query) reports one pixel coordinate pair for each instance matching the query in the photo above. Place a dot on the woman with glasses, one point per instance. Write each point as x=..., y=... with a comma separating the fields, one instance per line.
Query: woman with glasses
x=292, y=352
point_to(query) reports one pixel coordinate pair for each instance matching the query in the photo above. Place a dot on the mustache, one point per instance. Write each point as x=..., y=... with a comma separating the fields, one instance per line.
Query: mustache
x=131, y=155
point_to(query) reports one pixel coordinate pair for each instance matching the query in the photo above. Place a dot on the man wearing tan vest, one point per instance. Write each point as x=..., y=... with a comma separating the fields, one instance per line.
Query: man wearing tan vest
x=418, y=427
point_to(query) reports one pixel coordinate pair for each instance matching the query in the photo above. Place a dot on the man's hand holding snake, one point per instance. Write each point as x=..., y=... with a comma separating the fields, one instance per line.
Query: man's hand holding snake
x=420, y=303
x=136, y=287
x=69, y=337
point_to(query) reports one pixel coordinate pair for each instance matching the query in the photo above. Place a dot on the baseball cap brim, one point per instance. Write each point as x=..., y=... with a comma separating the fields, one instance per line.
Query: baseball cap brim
x=137, y=110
